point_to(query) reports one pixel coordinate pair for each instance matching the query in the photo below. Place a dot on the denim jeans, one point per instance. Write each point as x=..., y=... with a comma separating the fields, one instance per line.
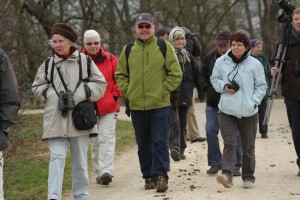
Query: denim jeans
x=152, y=137
x=80, y=178
x=293, y=113
x=103, y=146
x=214, y=155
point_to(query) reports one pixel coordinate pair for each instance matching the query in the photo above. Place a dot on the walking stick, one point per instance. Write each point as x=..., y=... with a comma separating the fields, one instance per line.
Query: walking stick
x=286, y=20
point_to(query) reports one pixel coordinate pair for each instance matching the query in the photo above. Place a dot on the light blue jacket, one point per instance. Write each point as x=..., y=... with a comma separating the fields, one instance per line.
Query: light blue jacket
x=249, y=75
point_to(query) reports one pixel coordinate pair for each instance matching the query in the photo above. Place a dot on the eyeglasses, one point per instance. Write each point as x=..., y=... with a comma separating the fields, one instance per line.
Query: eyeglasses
x=92, y=43
x=148, y=26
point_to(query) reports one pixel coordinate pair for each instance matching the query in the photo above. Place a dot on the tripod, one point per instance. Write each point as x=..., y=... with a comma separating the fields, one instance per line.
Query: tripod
x=286, y=19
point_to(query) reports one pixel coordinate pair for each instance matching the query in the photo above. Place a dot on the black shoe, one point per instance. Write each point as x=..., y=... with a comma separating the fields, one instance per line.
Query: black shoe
x=175, y=155
x=182, y=157
x=161, y=184
x=237, y=172
x=214, y=169
x=149, y=184
x=200, y=139
x=264, y=136
x=105, y=179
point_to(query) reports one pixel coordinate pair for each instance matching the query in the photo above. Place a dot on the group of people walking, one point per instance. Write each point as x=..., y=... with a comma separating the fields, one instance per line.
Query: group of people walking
x=157, y=78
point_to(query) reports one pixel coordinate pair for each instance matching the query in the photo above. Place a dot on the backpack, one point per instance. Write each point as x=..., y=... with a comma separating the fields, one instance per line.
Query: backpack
x=88, y=58
x=161, y=43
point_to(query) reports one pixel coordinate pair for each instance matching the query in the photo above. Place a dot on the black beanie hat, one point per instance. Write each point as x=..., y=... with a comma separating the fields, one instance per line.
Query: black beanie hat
x=64, y=30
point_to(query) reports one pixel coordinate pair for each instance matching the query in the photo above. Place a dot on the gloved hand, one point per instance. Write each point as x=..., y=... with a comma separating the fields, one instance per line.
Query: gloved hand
x=201, y=95
x=44, y=92
x=127, y=110
x=87, y=91
x=174, y=97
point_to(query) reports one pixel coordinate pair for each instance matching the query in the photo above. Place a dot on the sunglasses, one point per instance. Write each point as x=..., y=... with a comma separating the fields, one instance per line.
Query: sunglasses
x=148, y=26
x=92, y=43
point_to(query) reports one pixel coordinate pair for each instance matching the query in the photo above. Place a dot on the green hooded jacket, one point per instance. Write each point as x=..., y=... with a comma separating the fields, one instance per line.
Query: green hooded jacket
x=149, y=78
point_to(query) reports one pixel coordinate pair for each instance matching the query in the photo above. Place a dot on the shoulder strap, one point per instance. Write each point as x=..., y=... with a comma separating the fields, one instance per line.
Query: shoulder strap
x=127, y=52
x=162, y=46
x=46, y=68
x=89, y=60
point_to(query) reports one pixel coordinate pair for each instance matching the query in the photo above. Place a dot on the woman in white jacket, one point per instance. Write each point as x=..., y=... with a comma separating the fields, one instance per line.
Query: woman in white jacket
x=240, y=80
x=58, y=127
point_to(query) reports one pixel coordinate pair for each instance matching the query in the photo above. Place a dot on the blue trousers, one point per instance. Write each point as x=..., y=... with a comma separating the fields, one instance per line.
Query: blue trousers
x=214, y=155
x=293, y=113
x=152, y=137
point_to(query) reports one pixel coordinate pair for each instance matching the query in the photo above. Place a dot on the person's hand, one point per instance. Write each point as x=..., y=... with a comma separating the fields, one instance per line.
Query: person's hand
x=127, y=110
x=229, y=91
x=174, y=96
x=274, y=71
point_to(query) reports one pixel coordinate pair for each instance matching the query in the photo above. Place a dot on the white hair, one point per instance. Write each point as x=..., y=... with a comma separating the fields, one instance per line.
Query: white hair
x=90, y=33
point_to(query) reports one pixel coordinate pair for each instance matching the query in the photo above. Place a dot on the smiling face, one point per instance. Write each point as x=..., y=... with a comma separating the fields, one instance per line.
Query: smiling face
x=60, y=44
x=144, y=31
x=92, y=45
x=238, y=49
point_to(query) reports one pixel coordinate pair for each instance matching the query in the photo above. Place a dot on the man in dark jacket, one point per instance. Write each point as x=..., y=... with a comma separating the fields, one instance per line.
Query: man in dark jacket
x=214, y=155
x=290, y=81
x=9, y=105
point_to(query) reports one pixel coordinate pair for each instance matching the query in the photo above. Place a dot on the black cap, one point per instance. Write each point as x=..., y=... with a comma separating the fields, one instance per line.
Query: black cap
x=145, y=18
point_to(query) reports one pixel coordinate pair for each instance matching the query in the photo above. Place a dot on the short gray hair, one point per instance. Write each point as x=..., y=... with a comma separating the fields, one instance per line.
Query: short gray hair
x=90, y=33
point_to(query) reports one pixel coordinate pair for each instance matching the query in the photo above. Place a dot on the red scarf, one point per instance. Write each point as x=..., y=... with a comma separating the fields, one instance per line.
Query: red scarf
x=72, y=50
x=94, y=57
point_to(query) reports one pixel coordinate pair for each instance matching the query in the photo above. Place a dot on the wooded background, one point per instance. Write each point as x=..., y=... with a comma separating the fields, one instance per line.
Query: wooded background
x=25, y=24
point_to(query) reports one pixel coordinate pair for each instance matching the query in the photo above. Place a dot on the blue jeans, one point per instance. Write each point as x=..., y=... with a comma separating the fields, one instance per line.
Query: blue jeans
x=152, y=137
x=214, y=155
x=293, y=112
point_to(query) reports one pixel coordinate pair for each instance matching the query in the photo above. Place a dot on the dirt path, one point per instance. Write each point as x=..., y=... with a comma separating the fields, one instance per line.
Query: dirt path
x=275, y=171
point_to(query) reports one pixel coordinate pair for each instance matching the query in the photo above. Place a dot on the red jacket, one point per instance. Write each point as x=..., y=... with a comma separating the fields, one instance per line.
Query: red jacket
x=107, y=64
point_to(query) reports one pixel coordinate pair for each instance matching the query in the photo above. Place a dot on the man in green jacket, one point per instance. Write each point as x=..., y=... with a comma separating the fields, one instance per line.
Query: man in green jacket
x=146, y=80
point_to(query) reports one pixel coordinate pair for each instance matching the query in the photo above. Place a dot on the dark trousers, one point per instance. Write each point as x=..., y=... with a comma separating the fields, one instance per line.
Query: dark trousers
x=261, y=115
x=177, y=124
x=293, y=113
x=152, y=137
x=247, y=126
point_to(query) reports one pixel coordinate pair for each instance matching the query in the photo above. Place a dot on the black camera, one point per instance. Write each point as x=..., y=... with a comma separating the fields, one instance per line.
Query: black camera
x=288, y=9
x=65, y=100
x=234, y=86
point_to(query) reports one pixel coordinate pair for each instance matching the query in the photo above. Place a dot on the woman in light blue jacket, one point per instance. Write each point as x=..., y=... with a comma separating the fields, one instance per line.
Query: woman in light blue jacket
x=240, y=79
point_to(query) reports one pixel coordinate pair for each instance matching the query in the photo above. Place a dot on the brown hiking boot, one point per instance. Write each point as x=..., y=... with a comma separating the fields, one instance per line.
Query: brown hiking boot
x=161, y=184
x=105, y=179
x=149, y=184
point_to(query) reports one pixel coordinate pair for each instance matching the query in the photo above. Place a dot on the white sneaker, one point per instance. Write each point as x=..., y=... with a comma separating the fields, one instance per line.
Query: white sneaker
x=248, y=184
x=223, y=179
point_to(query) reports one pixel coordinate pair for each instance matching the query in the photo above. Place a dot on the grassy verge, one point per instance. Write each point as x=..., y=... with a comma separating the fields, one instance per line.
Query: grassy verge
x=26, y=160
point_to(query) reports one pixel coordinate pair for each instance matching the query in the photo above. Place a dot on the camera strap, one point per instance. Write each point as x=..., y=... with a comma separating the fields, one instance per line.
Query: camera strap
x=237, y=71
x=62, y=80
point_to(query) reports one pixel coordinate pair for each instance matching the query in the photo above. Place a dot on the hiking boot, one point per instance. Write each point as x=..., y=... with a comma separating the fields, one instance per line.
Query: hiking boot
x=200, y=139
x=105, y=179
x=161, y=184
x=248, y=184
x=214, y=169
x=149, y=184
x=237, y=172
x=175, y=155
x=264, y=136
x=182, y=157
x=223, y=179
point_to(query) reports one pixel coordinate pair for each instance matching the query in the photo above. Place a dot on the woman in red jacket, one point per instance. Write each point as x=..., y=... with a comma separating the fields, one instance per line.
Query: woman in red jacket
x=103, y=146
